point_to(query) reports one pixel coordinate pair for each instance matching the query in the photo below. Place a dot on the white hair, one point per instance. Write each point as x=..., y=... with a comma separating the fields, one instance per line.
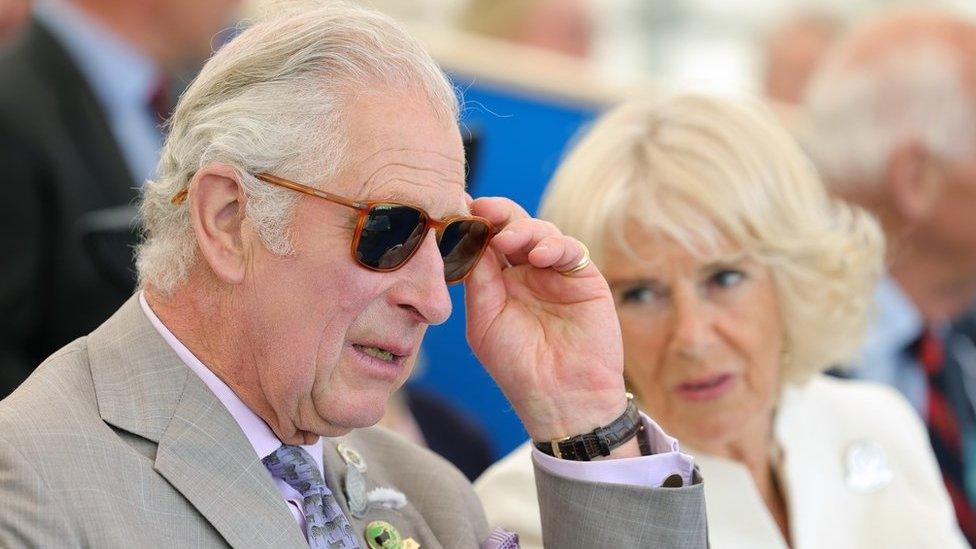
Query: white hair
x=704, y=171
x=271, y=101
x=856, y=115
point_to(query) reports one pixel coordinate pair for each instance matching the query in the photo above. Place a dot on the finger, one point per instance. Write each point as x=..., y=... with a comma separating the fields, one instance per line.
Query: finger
x=484, y=297
x=570, y=253
x=522, y=236
x=549, y=252
x=498, y=210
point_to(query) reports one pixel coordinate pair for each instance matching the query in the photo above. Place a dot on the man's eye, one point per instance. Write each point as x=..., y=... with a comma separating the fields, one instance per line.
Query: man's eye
x=727, y=278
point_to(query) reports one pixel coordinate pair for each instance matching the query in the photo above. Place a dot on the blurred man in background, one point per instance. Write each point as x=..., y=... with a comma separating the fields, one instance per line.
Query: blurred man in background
x=794, y=49
x=564, y=26
x=83, y=96
x=13, y=13
x=892, y=127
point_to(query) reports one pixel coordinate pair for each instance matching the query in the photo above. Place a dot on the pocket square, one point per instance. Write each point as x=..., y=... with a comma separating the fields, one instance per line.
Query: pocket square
x=501, y=539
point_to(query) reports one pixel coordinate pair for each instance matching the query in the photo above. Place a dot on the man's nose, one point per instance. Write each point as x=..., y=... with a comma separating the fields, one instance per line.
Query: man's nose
x=422, y=289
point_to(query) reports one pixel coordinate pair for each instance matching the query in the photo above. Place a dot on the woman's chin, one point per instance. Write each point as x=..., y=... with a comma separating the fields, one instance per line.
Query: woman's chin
x=712, y=432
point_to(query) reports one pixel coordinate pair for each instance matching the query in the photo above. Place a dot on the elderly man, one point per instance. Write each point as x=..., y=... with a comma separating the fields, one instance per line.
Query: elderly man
x=307, y=217
x=892, y=126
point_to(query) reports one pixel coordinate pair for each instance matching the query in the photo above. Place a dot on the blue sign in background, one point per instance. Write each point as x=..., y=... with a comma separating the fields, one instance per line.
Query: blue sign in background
x=520, y=141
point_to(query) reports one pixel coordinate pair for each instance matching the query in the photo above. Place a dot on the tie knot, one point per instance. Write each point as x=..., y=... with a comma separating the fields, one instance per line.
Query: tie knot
x=296, y=467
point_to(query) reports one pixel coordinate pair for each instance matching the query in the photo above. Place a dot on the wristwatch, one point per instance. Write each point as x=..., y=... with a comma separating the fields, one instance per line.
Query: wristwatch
x=600, y=441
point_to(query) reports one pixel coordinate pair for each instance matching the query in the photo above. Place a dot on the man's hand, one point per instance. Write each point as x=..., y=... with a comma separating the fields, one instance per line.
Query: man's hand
x=552, y=342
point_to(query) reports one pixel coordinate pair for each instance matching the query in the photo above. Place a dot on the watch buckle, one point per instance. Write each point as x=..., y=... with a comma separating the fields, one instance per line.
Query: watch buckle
x=554, y=444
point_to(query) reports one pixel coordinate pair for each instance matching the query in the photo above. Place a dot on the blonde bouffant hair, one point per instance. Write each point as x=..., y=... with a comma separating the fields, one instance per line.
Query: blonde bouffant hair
x=704, y=171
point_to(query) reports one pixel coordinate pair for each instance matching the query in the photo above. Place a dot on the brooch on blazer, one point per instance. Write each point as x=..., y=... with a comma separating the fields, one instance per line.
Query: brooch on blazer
x=360, y=500
x=866, y=467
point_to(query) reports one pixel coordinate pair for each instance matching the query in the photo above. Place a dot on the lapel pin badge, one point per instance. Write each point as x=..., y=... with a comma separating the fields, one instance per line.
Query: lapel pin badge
x=380, y=534
x=866, y=467
x=356, y=492
x=352, y=457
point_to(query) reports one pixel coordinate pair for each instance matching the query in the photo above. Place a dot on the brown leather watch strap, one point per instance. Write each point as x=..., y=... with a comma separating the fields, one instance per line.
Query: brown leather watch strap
x=600, y=442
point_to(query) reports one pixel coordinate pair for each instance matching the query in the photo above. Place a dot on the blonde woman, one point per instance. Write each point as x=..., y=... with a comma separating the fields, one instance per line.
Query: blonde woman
x=737, y=282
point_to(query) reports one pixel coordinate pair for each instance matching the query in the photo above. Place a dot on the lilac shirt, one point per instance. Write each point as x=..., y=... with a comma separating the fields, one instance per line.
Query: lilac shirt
x=649, y=471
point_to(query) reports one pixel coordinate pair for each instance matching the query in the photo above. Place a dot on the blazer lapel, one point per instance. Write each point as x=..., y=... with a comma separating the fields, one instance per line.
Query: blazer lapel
x=408, y=520
x=142, y=386
x=335, y=469
x=205, y=456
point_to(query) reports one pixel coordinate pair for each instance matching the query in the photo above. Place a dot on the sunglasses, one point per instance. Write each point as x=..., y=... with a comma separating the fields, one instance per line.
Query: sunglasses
x=388, y=233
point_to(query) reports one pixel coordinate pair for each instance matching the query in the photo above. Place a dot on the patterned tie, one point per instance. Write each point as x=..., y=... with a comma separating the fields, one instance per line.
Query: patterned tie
x=944, y=430
x=326, y=526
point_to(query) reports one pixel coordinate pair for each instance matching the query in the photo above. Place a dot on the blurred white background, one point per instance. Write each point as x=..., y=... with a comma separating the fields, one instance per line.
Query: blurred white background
x=718, y=45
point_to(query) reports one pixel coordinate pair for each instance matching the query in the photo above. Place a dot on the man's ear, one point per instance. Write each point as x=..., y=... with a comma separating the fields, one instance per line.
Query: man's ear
x=912, y=181
x=216, y=201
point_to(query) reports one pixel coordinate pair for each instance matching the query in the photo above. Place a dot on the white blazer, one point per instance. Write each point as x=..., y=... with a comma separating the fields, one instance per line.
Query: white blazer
x=853, y=461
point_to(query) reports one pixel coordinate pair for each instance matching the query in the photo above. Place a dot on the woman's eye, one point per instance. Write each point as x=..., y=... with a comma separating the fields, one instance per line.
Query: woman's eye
x=637, y=294
x=727, y=278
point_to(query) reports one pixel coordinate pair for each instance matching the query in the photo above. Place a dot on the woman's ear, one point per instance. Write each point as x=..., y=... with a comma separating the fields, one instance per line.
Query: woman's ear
x=216, y=201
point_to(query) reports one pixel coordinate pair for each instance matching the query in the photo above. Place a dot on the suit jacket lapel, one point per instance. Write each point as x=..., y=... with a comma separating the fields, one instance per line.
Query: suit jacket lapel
x=205, y=456
x=335, y=469
x=960, y=368
x=142, y=386
x=408, y=520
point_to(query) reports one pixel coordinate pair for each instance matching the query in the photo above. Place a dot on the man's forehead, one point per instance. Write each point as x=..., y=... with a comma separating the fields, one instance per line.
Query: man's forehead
x=426, y=178
x=438, y=205
x=399, y=148
x=398, y=120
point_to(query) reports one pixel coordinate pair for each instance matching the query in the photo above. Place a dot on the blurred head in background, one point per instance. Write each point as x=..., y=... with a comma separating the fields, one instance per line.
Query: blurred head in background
x=890, y=122
x=13, y=13
x=732, y=270
x=564, y=26
x=793, y=51
x=176, y=34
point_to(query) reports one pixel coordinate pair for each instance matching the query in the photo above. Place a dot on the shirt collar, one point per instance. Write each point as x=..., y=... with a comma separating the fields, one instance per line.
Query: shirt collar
x=896, y=323
x=118, y=73
x=261, y=437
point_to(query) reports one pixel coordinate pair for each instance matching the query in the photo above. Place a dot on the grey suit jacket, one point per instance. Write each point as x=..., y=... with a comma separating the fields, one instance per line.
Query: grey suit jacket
x=114, y=442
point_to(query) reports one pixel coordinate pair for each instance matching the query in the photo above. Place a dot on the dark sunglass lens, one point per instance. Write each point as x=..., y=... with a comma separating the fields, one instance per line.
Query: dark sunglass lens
x=461, y=245
x=390, y=234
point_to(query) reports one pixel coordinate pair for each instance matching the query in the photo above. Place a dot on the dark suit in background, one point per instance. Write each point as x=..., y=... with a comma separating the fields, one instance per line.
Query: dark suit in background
x=449, y=432
x=59, y=162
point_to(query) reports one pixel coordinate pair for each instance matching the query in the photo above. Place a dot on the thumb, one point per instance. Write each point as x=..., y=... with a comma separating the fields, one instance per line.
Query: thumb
x=484, y=297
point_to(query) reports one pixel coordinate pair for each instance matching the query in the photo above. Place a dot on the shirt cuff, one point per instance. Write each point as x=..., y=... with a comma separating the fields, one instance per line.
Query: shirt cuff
x=647, y=471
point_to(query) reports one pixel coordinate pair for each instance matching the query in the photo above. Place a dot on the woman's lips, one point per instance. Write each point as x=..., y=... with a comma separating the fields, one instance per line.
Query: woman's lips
x=706, y=388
